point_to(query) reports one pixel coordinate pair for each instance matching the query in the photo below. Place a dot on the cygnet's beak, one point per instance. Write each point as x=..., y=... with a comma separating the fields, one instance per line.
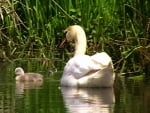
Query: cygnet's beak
x=63, y=42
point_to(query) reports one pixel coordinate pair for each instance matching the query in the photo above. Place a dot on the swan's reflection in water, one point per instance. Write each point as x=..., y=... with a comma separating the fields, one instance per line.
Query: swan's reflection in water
x=88, y=100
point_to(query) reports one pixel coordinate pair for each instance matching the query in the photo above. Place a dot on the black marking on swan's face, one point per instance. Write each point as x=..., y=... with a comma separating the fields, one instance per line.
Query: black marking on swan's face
x=65, y=33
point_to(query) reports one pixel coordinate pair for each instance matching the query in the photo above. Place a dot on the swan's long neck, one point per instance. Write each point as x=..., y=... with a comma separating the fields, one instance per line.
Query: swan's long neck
x=80, y=43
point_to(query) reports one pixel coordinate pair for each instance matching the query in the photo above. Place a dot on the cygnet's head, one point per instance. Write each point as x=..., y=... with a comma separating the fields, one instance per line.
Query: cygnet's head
x=19, y=71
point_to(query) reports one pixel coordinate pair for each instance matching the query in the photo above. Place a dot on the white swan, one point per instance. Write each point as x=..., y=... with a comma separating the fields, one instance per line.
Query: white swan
x=27, y=77
x=83, y=70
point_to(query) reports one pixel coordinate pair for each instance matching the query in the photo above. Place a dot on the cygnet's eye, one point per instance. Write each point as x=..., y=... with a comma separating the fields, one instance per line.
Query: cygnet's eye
x=17, y=70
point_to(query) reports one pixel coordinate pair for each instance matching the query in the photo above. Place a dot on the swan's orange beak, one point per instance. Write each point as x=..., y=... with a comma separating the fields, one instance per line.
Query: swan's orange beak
x=63, y=42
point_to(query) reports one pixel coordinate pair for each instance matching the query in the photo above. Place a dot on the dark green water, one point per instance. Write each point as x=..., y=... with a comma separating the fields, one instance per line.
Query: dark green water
x=130, y=95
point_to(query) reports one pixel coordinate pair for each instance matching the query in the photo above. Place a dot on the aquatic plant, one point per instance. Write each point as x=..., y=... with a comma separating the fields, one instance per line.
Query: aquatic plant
x=122, y=28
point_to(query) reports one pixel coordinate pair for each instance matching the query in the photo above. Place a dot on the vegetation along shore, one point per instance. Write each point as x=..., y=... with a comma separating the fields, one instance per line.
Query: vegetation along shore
x=121, y=28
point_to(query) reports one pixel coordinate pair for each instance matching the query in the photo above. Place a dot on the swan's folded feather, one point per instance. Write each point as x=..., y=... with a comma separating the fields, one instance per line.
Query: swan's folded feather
x=80, y=65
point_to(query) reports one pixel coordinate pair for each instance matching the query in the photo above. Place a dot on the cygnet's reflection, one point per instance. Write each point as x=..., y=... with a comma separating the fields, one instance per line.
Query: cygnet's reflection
x=22, y=85
x=88, y=100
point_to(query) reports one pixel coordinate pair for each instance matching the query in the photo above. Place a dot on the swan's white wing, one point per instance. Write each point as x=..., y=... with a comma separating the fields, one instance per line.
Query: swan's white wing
x=102, y=59
x=80, y=65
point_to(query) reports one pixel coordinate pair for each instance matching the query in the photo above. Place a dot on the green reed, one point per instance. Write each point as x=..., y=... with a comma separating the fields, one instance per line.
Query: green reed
x=120, y=28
